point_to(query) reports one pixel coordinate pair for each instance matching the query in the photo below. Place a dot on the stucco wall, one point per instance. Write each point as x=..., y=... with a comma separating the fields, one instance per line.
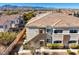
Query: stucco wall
x=31, y=33
x=5, y=29
x=1, y=29
x=74, y=36
x=57, y=37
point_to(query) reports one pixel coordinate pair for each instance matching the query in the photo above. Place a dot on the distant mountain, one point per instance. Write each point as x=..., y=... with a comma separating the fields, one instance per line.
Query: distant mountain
x=9, y=6
x=32, y=7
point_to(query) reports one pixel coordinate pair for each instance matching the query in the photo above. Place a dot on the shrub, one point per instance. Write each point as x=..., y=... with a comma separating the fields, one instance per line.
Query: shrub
x=61, y=45
x=78, y=51
x=78, y=46
x=28, y=16
x=7, y=37
x=70, y=52
x=25, y=47
x=49, y=45
x=32, y=50
x=55, y=45
x=73, y=45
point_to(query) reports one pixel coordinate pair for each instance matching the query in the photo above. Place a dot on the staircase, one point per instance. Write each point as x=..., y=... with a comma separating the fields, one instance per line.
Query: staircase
x=35, y=42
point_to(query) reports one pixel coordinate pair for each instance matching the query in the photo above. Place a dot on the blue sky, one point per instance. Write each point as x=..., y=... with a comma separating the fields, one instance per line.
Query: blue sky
x=50, y=5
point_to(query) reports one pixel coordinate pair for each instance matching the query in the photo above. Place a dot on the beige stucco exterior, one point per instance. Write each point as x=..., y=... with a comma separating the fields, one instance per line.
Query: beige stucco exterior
x=33, y=32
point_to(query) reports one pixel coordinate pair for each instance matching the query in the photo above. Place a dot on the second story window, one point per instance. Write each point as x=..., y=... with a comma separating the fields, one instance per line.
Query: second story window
x=49, y=30
x=58, y=31
x=12, y=22
x=1, y=26
x=73, y=31
x=5, y=26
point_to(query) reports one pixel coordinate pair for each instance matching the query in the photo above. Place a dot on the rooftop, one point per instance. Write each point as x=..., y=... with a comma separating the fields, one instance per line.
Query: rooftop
x=6, y=18
x=54, y=20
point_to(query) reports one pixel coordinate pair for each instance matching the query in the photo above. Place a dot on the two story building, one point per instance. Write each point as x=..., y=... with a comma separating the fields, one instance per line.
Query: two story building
x=10, y=21
x=53, y=28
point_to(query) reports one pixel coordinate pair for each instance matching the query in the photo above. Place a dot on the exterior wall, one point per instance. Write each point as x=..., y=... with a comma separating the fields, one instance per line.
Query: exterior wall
x=31, y=33
x=8, y=26
x=16, y=22
x=74, y=37
x=5, y=29
x=59, y=36
x=1, y=29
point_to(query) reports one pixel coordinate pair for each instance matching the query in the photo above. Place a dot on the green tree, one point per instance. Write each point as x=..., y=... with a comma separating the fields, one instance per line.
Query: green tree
x=7, y=37
x=28, y=16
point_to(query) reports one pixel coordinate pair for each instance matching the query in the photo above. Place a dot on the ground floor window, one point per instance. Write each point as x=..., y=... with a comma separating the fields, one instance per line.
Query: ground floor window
x=1, y=26
x=58, y=41
x=72, y=41
x=49, y=40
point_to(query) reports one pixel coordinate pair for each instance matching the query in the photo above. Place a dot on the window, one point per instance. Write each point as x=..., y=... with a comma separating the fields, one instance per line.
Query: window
x=1, y=26
x=57, y=41
x=73, y=31
x=73, y=41
x=58, y=31
x=49, y=30
x=40, y=31
x=12, y=22
x=5, y=26
x=49, y=40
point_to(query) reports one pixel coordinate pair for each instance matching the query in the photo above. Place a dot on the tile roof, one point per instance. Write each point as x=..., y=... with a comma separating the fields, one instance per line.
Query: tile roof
x=6, y=18
x=55, y=20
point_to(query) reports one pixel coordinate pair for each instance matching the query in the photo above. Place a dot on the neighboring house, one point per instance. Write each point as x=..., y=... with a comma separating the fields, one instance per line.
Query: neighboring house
x=53, y=28
x=4, y=25
x=8, y=22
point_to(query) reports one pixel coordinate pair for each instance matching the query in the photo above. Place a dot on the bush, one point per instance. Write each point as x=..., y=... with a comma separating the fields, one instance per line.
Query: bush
x=78, y=46
x=61, y=45
x=55, y=45
x=70, y=52
x=78, y=51
x=11, y=12
x=25, y=46
x=73, y=45
x=49, y=45
x=28, y=16
x=7, y=37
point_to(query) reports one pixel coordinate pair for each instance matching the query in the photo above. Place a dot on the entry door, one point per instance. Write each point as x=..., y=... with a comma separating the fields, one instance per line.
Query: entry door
x=40, y=31
x=41, y=43
x=66, y=40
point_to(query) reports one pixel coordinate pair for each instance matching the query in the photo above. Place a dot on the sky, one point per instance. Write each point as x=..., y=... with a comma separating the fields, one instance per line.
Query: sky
x=49, y=5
